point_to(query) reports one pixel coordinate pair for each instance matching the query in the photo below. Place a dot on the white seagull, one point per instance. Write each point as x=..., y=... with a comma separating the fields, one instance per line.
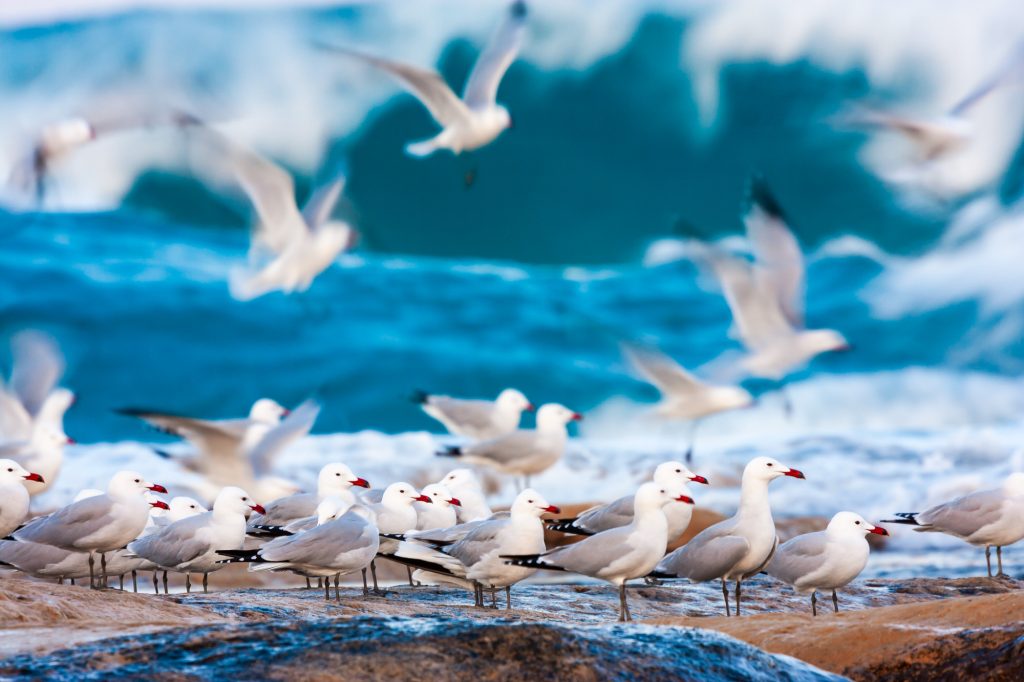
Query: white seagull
x=440, y=512
x=825, y=560
x=14, y=498
x=738, y=547
x=476, y=419
x=476, y=119
x=523, y=452
x=98, y=524
x=767, y=297
x=619, y=513
x=191, y=544
x=44, y=454
x=987, y=518
x=618, y=554
x=394, y=515
x=334, y=480
x=464, y=484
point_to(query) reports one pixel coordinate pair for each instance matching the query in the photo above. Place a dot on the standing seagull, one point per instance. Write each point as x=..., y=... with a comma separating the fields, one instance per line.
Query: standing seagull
x=738, y=547
x=989, y=518
x=464, y=484
x=523, y=452
x=684, y=396
x=476, y=419
x=477, y=119
x=14, y=499
x=98, y=524
x=619, y=554
x=767, y=297
x=620, y=512
x=289, y=247
x=826, y=560
x=334, y=479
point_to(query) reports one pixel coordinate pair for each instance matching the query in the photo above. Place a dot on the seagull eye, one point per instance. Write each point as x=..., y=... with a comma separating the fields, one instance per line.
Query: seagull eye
x=770, y=464
x=401, y=491
x=138, y=481
x=679, y=471
x=857, y=522
x=245, y=499
x=338, y=474
x=10, y=469
x=530, y=501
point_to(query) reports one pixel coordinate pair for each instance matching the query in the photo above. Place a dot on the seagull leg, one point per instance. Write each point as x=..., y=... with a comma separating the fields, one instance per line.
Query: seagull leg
x=135, y=581
x=72, y=581
x=60, y=580
x=373, y=572
x=725, y=595
x=624, y=614
x=308, y=585
x=103, y=570
x=327, y=591
x=814, y=603
x=156, y=585
x=337, y=587
x=739, y=582
x=319, y=583
x=835, y=601
x=999, y=558
x=494, y=597
x=988, y=559
x=121, y=586
x=165, y=583
x=206, y=582
x=408, y=571
x=693, y=439
x=188, y=583
x=508, y=597
x=366, y=590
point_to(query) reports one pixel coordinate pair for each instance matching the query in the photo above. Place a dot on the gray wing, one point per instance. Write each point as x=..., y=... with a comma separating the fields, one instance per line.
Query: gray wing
x=174, y=544
x=504, y=449
x=474, y=413
x=780, y=261
x=798, y=557
x=320, y=545
x=68, y=524
x=965, y=515
x=1012, y=68
x=482, y=87
x=755, y=308
x=321, y=203
x=216, y=439
x=478, y=542
x=372, y=496
x=293, y=427
x=607, y=516
x=286, y=509
x=663, y=372
x=593, y=554
x=32, y=556
x=12, y=449
x=38, y=366
x=711, y=554
x=427, y=86
x=15, y=421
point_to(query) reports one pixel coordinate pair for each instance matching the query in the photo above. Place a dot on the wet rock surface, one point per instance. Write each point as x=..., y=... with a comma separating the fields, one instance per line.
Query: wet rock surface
x=888, y=629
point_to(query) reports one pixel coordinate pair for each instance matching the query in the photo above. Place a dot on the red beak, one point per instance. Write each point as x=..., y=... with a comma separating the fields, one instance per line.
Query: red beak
x=577, y=417
x=423, y=498
x=455, y=501
x=530, y=407
x=258, y=508
x=159, y=504
x=361, y=482
x=699, y=479
x=35, y=477
x=795, y=473
x=685, y=498
x=552, y=509
x=157, y=488
x=70, y=441
x=878, y=530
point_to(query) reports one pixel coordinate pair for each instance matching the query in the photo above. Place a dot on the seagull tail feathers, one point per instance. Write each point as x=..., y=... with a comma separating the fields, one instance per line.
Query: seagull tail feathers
x=529, y=561
x=450, y=451
x=422, y=148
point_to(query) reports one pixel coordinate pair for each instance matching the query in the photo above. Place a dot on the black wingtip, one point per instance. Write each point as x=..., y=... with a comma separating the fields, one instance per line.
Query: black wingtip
x=518, y=9
x=239, y=556
x=394, y=536
x=761, y=196
x=528, y=561
x=419, y=397
x=566, y=526
x=662, y=575
x=162, y=453
x=450, y=451
x=906, y=518
x=260, y=531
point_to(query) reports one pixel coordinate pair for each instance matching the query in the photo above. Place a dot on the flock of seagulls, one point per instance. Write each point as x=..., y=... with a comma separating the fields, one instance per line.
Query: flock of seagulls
x=445, y=533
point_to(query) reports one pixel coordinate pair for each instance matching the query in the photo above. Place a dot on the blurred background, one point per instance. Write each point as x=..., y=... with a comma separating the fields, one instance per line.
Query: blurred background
x=637, y=126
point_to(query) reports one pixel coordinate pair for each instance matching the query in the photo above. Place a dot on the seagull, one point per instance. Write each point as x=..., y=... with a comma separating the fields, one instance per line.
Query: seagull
x=989, y=518
x=335, y=480
x=826, y=560
x=31, y=399
x=738, y=547
x=767, y=297
x=289, y=247
x=476, y=419
x=43, y=454
x=340, y=545
x=523, y=452
x=14, y=498
x=618, y=554
x=464, y=484
x=239, y=451
x=941, y=136
x=440, y=512
x=394, y=515
x=684, y=396
x=476, y=119
x=44, y=561
x=620, y=512
x=99, y=524
x=191, y=544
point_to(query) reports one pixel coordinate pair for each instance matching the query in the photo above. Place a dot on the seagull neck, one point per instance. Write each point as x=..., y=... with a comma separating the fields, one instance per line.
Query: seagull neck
x=754, y=499
x=222, y=514
x=552, y=429
x=650, y=521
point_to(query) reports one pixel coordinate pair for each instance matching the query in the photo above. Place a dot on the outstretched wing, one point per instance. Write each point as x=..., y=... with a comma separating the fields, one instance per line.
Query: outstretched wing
x=482, y=86
x=780, y=261
x=321, y=203
x=38, y=366
x=292, y=428
x=665, y=373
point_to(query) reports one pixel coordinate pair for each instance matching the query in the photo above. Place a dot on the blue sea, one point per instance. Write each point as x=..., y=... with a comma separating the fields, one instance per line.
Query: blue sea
x=573, y=238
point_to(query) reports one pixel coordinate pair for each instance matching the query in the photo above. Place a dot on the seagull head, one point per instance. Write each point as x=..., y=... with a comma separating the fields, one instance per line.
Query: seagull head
x=768, y=469
x=513, y=400
x=338, y=477
x=267, y=411
x=532, y=503
x=675, y=473
x=846, y=522
x=232, y=500
x=13, y=472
